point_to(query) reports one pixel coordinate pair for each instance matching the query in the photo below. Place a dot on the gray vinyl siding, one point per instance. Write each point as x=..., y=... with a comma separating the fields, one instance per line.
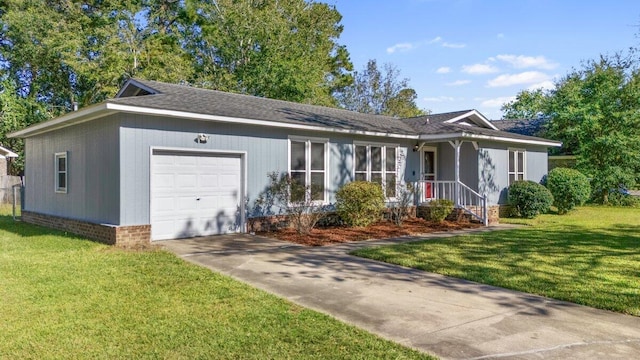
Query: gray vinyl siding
x=92, y=178
x=493, y=168
x=266, y=151
x=537, y=159
x=493, y=172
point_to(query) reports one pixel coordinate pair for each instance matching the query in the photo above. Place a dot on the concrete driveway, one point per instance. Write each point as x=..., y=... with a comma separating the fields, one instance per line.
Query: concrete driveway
x=443, y=316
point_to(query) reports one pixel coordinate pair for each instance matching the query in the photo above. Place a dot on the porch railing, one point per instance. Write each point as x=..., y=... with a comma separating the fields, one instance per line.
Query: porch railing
x=462, y=196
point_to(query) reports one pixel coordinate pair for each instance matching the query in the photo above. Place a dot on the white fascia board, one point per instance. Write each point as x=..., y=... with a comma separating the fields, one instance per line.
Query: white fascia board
x=478, y=116
x=475, y=137
x=72, y=118
x=234, y=120
x=4, y=152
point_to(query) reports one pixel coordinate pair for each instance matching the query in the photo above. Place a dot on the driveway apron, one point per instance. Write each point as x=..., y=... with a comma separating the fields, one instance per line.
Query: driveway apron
x=443, y=316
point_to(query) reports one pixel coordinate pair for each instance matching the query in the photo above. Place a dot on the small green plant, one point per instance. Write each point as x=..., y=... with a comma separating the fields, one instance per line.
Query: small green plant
x=528, y=198
x=360, y=203
x=439, y=210
x=569, y=187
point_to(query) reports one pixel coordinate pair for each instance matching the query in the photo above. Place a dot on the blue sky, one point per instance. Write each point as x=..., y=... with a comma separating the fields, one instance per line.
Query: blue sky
x=477, y=54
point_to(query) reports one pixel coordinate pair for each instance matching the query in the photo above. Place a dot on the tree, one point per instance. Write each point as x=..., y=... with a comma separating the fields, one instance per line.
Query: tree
x=528, y=104
x=380, y=92
x=16, y=113
x=595, y=111
x=278, y=49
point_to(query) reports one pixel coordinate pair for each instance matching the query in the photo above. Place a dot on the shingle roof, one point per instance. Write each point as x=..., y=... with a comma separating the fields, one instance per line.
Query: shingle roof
x=202, y=101
x=430, y=128
x=530, y=127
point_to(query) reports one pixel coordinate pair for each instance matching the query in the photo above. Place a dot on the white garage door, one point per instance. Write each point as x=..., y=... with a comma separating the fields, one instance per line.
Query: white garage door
x=194, y=195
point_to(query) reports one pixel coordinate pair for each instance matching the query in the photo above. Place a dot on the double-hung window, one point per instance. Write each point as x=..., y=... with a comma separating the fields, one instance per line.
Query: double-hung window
x=61, y=169
x=377, y=163
x=308, y=169
x=516, y=165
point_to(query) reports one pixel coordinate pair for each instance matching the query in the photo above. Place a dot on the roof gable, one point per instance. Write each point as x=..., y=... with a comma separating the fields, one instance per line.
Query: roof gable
x=465, y=117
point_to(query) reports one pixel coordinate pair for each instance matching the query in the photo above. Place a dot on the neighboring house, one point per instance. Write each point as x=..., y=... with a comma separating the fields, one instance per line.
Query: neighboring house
x=535, y=127
x=7, y=182
x=5, y=154
x=163, y=161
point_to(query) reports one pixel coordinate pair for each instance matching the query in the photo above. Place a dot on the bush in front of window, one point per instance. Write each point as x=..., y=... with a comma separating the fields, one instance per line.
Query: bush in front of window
x=360, y=203
x=439, y=210
x=569, y=187
x=528, y=199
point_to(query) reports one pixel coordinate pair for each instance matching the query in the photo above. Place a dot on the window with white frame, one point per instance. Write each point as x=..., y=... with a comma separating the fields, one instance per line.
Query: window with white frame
x=377, y=163
x=516, y=165
x=307, y=168
x=61, y=172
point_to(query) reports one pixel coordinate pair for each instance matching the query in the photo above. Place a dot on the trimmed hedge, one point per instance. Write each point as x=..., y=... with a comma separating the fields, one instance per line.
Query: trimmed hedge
x=569, y=187
x=528, y=198
x=360, y=203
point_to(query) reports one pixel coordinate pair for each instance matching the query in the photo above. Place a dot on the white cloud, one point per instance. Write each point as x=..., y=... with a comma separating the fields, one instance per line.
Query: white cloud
x=434, y=40
x=443, y=70
x=527, y=77
x=500, y=36
x=453, y=46
x=479, y=69
x=400, y=47
x=545, y=85
x=523, y=62
x=458, y=83
x=497, y=102
x=439, y=99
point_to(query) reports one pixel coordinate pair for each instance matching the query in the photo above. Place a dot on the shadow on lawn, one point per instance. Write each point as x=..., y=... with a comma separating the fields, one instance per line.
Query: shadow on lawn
x=24, y=229
x=552, y=262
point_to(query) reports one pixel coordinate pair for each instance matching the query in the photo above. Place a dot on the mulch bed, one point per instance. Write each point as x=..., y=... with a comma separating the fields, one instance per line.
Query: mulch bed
x=381, y=230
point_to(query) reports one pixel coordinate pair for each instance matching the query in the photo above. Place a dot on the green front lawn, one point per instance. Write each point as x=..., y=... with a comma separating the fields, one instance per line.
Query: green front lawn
x=590, y=256
x=65, y=297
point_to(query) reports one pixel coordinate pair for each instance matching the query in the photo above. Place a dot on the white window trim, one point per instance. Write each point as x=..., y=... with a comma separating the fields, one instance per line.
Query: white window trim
x=515, y=166
x=384, y=147
x=307, y=153
x=57, y=172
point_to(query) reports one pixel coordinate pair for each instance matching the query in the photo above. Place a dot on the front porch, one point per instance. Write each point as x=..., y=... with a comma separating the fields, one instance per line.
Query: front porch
x=442, y=160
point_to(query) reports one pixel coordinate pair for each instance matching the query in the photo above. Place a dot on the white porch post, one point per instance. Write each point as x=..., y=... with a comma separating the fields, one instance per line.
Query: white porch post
x=456, y=146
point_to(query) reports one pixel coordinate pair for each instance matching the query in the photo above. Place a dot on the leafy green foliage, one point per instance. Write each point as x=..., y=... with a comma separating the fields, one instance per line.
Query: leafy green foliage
x=528, y=104
x=360, y=203
x=593, y=111
x=380, y=92
x=59, y=53
x=529, y=199
x=569, y=187
x=278, y=49
x=588, y=257
x=439, y=210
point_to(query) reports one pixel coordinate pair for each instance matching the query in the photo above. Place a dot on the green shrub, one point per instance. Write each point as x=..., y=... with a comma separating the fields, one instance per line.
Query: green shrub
x=529, y=198
x=360, y=203
x=569, y=187
x=439, y=210
x=618, y=199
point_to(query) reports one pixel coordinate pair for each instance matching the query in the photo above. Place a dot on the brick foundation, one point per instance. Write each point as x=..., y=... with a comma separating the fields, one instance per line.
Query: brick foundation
x=459, y=215
x=125, y=236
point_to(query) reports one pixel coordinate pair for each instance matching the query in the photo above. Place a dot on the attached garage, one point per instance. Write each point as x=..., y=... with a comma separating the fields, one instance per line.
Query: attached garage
x=196, y=193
